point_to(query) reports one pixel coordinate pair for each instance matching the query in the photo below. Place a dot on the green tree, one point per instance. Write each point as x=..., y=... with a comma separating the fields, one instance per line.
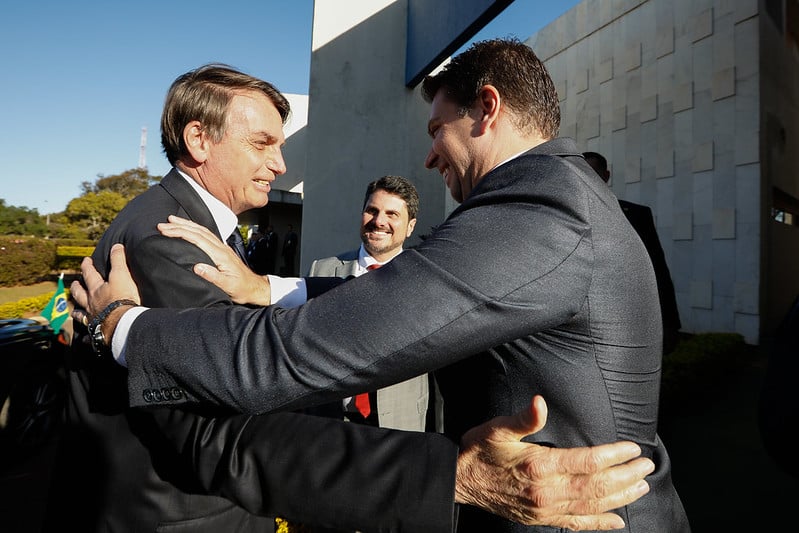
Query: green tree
x=93, y=212
x=129, y=183
x=20, y=221
x=90, y=214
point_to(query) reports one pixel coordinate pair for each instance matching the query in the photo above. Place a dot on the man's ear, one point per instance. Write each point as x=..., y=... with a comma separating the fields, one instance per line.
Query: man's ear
x=411, y=225
x=196, y=140
x=490, y=102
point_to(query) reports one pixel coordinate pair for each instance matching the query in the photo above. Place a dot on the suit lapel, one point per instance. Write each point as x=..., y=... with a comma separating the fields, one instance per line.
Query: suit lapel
x=196, y=211
x=347, y=268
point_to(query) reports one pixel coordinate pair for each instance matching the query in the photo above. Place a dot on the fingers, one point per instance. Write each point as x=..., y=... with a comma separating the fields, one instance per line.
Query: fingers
x=78, y=293
x=599, y=478
x=119, y=268
x=619, y=486
x=599, y=522
x=598, y=458
x=219, y=252
x=80, y=315
x=528, y=421
x=91, y=278
x=209, y=273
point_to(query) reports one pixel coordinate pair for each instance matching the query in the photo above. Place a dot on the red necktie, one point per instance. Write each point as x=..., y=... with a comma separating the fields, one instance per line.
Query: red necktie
x=362, y=400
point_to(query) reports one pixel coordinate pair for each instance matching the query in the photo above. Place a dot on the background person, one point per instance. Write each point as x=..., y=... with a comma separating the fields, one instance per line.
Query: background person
x=261, y=252
x=290, y=243
x=640, y=218
x=388, y=217
x=271, y=250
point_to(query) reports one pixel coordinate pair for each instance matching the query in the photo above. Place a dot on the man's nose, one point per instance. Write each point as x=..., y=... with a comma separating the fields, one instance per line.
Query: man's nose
x=380, y=219
x=431, y=159
x=276, y=163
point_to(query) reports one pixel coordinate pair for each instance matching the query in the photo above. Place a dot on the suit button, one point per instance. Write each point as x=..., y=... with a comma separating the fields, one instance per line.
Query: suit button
x=167, y=393
x=157, y=395
x=148, y=395
x=177, y=394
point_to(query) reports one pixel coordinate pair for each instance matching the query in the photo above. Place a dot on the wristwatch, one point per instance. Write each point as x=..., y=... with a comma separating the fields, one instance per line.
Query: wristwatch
x=99, y=344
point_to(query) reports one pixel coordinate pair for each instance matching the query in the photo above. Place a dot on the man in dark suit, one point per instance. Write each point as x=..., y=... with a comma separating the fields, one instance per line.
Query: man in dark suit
x=118, y=474
x=127, y=469
x=388, y=217
x=534, y=284
x=290, y=244
x=271, y=249
x=640, y=218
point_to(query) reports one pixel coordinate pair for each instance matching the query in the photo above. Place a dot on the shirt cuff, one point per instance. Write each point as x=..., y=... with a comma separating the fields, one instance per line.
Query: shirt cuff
x=120, y=339
x=288, y=292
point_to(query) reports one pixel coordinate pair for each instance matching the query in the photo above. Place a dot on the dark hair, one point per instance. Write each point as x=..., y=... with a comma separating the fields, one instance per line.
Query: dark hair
x=398, y=186
x=517, y=73
x=599, y=158
x=203, y=94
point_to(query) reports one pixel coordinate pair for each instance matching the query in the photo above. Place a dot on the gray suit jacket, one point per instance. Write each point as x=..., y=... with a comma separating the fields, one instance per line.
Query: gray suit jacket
x=535, y=284
x=400, y=406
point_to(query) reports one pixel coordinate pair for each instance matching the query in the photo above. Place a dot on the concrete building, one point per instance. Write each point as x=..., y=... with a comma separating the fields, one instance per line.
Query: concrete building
x=695, y=103
x=696, y=106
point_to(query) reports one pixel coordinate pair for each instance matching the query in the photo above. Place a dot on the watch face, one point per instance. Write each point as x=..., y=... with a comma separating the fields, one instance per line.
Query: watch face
x=98, y=339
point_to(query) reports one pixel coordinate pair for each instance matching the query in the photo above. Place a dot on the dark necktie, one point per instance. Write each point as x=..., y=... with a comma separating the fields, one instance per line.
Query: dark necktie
x=362, y=400
x=237, y=243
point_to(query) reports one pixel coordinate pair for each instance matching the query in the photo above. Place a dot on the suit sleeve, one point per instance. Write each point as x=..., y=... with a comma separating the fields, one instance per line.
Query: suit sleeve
x=452, y=297
x=323, y=472
x=162, y=269
x=289, y=464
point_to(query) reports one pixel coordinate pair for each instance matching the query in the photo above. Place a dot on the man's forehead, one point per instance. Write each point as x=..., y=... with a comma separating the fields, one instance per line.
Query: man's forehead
x=387, y=195
x=255, y=103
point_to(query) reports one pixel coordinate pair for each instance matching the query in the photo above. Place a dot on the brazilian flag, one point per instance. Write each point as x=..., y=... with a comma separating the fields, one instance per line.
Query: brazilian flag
x=57, y=310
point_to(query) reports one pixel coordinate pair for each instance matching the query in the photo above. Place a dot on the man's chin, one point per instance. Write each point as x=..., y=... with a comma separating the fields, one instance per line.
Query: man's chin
x=375, y=250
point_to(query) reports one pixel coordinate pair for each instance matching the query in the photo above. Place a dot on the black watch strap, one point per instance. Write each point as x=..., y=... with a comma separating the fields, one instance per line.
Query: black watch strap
x=99, y=344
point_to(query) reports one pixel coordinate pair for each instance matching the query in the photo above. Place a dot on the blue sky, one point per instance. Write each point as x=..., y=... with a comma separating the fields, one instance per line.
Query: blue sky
x=81, y=78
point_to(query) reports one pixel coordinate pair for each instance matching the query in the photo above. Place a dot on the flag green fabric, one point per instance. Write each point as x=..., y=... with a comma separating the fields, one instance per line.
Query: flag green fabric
x=57, y=310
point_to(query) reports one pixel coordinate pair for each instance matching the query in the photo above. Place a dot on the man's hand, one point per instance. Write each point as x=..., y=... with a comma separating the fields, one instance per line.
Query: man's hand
x=228, y=273
x=570, y=488
x=98, y=293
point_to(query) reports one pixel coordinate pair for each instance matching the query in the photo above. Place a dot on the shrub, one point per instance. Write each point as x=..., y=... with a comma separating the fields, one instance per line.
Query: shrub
x=697, y=364
x=76, y=242
x=27, y=306
x=25, y=260
x=70, y=257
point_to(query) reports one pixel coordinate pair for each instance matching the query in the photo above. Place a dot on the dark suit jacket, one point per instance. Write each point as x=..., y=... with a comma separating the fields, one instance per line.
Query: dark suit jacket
x=400, y=406
x=535, y=284
x=135, y=470
x=640, y=218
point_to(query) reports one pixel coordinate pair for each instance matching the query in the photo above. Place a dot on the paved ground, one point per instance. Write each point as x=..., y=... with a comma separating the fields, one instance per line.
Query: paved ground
x=725, y=478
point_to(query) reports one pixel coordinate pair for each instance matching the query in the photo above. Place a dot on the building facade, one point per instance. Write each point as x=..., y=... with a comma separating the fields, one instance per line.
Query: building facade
x=695, y=103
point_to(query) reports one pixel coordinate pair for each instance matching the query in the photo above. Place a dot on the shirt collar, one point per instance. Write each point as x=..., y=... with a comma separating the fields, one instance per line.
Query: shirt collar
x=365, y=260
x=225, y=219
x=511, y=158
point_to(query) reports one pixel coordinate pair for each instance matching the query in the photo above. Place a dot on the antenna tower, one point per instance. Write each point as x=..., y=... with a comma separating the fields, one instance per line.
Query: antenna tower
x=143, y=149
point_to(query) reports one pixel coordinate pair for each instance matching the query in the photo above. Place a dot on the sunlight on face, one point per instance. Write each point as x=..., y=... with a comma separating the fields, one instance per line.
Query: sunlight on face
x=385, y=224
x=241, y=167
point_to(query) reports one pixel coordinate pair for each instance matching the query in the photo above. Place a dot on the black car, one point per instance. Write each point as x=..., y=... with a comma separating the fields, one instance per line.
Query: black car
x=31, y=383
